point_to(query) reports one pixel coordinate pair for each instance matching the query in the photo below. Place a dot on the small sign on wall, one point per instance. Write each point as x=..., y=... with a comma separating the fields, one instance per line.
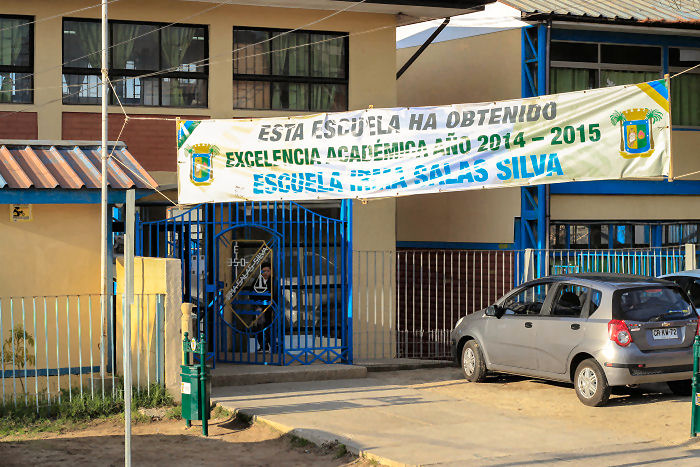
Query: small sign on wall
x=20, y=212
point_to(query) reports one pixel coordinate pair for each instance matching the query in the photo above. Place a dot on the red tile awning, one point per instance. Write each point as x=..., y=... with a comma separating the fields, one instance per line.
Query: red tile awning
x=69, y=166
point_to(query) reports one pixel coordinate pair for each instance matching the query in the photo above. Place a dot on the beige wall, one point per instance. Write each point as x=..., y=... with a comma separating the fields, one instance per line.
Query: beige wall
x=624, y=207
x=468, y=216
x=371, y=55
x=475, y=69
x=58, y=252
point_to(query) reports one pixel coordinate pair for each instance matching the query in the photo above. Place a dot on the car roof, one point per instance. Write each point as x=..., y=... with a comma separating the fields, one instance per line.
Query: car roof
x=691, y=273
x=608, y=280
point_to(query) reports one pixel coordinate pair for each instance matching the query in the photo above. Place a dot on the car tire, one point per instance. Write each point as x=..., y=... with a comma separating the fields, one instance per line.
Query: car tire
x=473, y=364
x=681, y=388
x=590, y=383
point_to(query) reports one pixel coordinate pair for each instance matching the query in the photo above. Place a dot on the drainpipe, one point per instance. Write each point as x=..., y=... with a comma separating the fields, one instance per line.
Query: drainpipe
x=422, y=48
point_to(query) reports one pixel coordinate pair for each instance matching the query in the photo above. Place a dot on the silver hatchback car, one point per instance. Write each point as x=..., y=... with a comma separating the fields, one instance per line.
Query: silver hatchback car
x=595, y=330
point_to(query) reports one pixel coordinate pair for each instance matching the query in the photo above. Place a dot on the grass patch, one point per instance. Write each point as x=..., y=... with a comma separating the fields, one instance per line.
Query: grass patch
x=174, y=413
x=75, y=410
x=341, y=451
x=298, y=442
x=220, y=412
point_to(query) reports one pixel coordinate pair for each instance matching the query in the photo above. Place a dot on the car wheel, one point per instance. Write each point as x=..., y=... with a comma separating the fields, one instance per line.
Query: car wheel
x=591, y=384
x=681, y=388
x=473, y=364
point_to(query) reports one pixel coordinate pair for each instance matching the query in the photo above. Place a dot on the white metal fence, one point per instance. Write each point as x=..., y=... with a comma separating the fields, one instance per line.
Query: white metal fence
x=54, y=347
x=406, y=302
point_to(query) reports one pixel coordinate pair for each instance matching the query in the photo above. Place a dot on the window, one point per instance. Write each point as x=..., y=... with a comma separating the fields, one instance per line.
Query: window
x=527, y=301
x=178, y=54
x=693, y=291
x=685, y=89
x=596, y=299
x=280, y=70
x=576, y=66
x=569, y=300
x=16, y=59
x=651, y=304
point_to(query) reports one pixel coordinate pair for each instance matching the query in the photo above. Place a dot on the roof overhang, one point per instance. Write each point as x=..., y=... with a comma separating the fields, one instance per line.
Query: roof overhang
x=409, y=11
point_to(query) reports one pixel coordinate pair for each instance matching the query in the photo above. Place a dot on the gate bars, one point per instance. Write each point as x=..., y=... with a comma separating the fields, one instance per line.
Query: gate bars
x=313, y=276
x=408, y=301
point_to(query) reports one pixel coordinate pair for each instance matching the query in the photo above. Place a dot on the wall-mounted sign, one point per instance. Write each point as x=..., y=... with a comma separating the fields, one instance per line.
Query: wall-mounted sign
x=599, y=134
x=20, y=212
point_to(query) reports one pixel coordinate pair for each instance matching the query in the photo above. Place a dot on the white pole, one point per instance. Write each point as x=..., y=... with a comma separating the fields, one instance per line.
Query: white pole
x=104, y=280
x=128, y=302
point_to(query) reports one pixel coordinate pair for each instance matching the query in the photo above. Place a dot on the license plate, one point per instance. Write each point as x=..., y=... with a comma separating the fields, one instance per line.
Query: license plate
x=671, y=333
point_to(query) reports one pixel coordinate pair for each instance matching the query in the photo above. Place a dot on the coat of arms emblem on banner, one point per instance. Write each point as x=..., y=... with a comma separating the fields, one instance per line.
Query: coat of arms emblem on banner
x=636, y=135
x=202, y=163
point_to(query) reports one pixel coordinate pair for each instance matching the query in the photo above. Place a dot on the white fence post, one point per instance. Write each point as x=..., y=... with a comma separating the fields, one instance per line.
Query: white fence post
x=529, y=265
x=690, y=258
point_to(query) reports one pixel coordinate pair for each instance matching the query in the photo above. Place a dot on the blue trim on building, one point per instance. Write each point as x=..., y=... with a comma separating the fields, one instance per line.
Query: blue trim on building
x=623, y=38
x=63, y=196
x=33, y=373
x=627, y=187
x=455, y=245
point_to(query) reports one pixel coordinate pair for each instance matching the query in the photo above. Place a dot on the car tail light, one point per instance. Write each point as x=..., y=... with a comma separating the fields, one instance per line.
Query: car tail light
x=619, y=333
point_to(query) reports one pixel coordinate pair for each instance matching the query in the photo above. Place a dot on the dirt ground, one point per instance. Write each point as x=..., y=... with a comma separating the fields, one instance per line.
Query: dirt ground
x=169, y=443
x=651, y=411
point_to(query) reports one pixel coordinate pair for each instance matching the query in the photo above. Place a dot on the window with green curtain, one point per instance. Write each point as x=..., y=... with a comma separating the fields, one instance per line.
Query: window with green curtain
x=610, y=78
x=685, y=99
x=16, y=60
x=151, y=64
x=571, y=79
x=282, y=70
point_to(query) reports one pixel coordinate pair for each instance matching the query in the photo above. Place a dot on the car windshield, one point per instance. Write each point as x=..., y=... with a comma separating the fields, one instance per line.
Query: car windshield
x=652, y=304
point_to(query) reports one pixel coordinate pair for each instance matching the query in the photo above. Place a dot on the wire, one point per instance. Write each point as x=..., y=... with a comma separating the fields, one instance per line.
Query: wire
x=6, y=28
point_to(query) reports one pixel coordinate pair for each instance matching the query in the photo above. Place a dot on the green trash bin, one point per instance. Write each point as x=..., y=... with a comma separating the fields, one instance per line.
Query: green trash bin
x=195, y=384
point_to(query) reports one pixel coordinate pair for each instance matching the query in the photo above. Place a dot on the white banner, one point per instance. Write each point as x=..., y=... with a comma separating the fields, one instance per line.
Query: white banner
x=601, y=134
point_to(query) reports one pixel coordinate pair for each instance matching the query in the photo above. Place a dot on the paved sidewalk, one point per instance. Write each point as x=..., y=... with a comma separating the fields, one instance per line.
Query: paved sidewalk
x=419, y=417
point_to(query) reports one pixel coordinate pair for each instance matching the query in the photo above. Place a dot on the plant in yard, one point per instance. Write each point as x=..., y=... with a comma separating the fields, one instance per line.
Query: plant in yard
x=14, y=350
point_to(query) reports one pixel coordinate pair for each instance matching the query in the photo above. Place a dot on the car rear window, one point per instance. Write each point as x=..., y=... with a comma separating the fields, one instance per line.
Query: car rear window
x=651, y=304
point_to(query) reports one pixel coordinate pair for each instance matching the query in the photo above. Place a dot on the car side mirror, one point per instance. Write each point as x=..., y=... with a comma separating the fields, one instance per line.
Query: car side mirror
x=494, y=310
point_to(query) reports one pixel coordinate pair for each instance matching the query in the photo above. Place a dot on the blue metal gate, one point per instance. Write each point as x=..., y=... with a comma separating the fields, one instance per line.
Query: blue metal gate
x=301, y=313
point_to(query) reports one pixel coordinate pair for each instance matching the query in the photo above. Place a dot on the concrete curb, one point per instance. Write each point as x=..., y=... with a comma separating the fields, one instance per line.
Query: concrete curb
x=320, y=438
x=290, y=374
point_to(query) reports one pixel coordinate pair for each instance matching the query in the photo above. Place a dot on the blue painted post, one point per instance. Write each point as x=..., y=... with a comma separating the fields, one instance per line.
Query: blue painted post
x=348, y=226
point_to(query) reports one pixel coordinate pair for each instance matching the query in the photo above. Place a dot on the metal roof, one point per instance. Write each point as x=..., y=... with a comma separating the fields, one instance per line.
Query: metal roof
x=669, y=11
x=69, y=167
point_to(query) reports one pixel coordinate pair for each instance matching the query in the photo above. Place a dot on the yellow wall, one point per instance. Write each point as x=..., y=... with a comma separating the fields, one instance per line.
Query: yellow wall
x=371, y=55
x=475, y=69
x=58, y=252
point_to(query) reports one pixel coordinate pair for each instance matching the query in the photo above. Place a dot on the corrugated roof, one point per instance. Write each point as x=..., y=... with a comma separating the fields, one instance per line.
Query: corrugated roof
x=69, y=167
x=673, y=11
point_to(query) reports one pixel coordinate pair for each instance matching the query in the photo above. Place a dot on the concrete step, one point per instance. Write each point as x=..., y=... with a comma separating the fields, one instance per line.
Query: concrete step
x=397, y=364
x=243, y=375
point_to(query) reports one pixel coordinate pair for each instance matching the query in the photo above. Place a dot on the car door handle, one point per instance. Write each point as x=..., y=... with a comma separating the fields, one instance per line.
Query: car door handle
x=575, y=326
x=528, y=324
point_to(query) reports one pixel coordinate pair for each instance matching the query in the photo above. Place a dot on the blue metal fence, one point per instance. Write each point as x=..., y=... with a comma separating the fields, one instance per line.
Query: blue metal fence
x=303, y=315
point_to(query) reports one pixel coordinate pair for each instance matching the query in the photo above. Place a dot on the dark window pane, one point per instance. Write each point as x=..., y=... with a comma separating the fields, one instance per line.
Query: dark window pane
x=290, y=96
x=329, y=97
x=599, y=236
x=183, y=48
x=137, y=91
x=15, y=88
x=630, y=54
x=82, y=43
x=685, y=90
x=135, y=46
x=184, y=92
x=683, y=57
x=15, y=42
x=571, y=79
x=573, y=52
x=81, y=89
x=579, y=236
x=250, y=54
x=251, y=94
x=327, y=56
x=290, y=55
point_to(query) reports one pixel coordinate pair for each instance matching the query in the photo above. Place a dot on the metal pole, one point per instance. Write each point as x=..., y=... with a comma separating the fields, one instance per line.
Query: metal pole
x=104, y=280
x=128, y=301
